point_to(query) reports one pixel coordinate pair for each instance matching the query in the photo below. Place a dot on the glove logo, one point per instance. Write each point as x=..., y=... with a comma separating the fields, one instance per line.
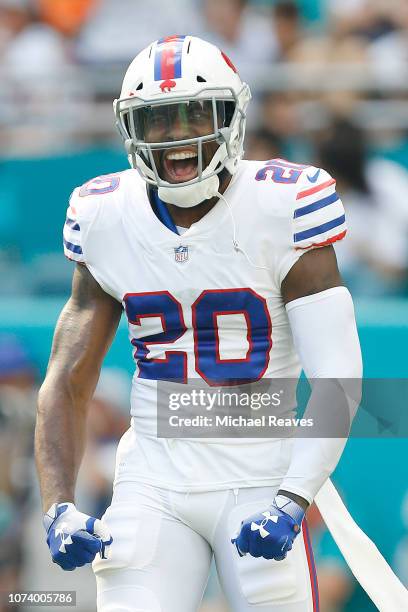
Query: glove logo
x=65, y=540
x=261, y=527
x=270, y=534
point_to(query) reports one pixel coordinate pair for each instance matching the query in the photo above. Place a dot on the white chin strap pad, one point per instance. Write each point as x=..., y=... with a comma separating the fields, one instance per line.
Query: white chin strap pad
x=187, y=196
x=207, y=187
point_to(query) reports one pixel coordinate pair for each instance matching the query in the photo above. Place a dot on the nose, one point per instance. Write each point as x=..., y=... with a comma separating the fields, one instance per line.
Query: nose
x=179, y=129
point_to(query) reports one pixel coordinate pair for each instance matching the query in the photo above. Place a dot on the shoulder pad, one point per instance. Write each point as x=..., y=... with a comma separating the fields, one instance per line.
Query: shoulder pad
x=318, y=216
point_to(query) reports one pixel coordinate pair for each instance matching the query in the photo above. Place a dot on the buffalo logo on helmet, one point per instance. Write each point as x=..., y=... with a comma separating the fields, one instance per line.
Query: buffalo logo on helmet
x=167, y=85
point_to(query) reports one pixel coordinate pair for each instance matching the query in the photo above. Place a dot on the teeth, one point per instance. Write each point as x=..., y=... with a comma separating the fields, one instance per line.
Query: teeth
x=181, y=155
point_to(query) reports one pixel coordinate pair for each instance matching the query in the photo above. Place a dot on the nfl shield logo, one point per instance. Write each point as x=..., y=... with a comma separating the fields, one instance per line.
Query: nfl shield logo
x=181, y=254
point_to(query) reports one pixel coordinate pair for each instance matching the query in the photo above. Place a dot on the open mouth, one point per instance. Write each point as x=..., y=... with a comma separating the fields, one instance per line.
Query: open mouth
x=180, y=166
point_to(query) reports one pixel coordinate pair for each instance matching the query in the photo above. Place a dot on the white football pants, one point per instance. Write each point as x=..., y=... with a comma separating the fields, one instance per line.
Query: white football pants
x=163, y=544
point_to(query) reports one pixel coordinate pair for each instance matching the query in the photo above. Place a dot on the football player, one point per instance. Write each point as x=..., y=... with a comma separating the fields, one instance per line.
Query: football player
x=225, y=271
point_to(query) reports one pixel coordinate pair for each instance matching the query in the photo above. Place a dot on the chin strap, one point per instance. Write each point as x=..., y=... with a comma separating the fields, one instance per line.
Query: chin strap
x=187, y=196
x=205, y=187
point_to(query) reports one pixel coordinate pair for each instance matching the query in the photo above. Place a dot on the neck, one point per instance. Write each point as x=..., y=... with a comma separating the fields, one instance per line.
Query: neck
x=185, y=217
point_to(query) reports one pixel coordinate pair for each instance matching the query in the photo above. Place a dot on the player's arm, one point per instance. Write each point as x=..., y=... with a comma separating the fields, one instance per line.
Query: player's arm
x=82, y=337
x=321, y=315
x=315, y=271
x=301, y=281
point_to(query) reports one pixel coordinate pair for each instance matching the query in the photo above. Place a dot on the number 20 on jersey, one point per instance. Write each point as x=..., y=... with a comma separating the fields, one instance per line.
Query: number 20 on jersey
x=205, y=310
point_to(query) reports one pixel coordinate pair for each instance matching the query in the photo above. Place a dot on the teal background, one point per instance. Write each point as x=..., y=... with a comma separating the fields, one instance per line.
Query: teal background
x=34, y=196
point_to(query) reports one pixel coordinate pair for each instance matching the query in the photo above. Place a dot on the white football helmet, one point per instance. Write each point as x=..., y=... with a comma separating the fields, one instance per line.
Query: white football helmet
x=183, y=80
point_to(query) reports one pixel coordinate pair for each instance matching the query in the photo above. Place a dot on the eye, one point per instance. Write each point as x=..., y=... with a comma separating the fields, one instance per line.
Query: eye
x=199, y=114
x=157, y=120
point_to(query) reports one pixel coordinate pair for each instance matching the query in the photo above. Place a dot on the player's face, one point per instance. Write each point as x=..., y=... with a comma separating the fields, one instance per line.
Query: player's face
x=175, y=122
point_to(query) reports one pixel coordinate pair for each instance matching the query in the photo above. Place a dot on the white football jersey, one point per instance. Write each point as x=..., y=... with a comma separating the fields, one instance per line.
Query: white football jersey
x=206, y=304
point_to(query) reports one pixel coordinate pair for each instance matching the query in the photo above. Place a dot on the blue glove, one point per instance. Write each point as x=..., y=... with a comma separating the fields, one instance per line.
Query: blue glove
x=74, y=538
x=270, y=534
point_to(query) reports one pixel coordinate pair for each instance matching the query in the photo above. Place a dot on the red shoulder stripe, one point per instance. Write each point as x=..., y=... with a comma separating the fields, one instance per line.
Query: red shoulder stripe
x=325, y=243
x=312, y=190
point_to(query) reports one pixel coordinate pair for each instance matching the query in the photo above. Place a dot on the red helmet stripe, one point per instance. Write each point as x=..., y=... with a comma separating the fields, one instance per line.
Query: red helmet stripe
x=167, y=60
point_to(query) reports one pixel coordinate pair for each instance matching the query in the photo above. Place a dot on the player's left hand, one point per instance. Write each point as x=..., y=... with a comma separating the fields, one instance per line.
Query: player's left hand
x=270, y=534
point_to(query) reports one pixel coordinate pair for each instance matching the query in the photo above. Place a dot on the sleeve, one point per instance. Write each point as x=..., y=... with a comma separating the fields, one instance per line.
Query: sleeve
x=72, y=233
x=318, y=217
x=325, y=337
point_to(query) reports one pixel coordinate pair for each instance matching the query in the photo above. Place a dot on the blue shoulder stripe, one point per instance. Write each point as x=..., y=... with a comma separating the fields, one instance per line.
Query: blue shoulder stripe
x=309, y=208
x=72, y=224
x=320, y=229
x=75, y=248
